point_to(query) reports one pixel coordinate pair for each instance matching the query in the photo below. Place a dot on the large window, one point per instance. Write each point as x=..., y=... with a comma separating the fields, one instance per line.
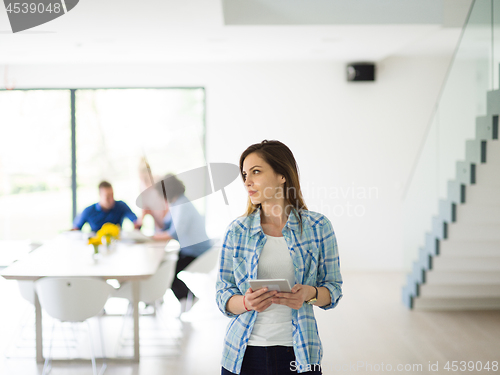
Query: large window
x=35, y=164
x=116, y=129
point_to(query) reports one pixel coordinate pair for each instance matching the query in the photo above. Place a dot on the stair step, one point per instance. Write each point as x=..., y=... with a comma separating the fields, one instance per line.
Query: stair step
x=484, y=303
x=493, y=152
x=466, y=248
x=474, y=149
x=446, y=210
x=465, y=263
x=478, y=213
x=488, y=174
x=493, y=102
x=456, y=192
x=435, y=277
x=464, y=172
x=406, y=297
x=438, y=227
x=484, y=128
x=474, y=231
x=482, y=194
x=459, y=291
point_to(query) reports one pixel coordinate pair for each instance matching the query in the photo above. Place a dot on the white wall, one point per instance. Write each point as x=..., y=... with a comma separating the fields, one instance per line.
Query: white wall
x=357, y=136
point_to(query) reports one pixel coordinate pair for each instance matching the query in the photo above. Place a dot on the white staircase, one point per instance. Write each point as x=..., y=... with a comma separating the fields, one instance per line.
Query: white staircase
x=459, y=267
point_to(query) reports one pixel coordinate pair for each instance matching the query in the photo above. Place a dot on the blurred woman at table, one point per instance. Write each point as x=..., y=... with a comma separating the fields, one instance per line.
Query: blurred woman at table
x=180, y=221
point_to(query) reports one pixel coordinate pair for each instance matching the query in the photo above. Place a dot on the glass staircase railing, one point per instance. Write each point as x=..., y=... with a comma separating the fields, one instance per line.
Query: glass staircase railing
x=442, y=165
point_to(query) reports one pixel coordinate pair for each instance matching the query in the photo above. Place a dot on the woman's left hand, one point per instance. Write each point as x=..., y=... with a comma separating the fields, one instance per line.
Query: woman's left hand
x=296, y=298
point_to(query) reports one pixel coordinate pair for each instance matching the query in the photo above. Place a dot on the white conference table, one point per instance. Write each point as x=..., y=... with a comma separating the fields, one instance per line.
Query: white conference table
x=68, y=255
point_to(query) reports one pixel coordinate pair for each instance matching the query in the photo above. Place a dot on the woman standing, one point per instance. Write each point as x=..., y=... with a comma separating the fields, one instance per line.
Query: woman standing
x=271, y=332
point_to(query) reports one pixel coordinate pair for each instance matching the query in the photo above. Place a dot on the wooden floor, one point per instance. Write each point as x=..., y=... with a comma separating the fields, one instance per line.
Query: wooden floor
x=369, y=332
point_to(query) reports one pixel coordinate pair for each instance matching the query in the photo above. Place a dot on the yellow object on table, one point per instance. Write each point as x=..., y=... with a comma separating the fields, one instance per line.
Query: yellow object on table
x=109, y=231
x=95, y=241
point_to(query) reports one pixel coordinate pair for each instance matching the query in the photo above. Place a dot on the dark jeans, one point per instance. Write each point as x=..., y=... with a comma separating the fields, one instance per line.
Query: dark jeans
x=178, y=287
x=269, y=360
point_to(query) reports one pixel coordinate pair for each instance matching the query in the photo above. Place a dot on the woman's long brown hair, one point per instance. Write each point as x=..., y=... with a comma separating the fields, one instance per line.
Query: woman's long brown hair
x=282, y=161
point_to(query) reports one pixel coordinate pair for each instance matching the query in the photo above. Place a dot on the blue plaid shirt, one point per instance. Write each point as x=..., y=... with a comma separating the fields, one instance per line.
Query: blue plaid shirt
x=316, y=262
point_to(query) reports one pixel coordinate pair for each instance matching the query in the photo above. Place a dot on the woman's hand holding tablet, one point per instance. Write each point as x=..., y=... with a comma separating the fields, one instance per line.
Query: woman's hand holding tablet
x=261, y=292
x=280, y=285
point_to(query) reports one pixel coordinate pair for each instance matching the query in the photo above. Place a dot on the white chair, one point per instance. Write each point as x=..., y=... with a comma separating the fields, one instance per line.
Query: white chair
x=17, y=341
x=198, y=275
x=73, y=299
x=15, y=251
x=152, y=290
x=27, y=290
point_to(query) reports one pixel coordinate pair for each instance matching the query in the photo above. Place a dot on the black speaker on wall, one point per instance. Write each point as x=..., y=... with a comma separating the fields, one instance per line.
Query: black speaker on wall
x=361, y=72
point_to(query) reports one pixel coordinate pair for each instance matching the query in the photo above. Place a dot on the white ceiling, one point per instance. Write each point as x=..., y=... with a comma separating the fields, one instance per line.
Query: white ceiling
x=124, y=31
x=333, y=12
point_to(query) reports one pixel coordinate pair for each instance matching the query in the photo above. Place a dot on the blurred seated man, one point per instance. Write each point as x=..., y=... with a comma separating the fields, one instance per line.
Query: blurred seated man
x=180, y=221
x=107, y=210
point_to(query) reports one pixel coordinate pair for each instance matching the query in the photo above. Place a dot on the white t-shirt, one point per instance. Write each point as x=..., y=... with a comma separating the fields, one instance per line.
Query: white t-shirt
x=273, y=326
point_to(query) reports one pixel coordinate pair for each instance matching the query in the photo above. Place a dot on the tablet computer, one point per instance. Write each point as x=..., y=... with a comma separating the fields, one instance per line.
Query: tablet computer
x=281, y=285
